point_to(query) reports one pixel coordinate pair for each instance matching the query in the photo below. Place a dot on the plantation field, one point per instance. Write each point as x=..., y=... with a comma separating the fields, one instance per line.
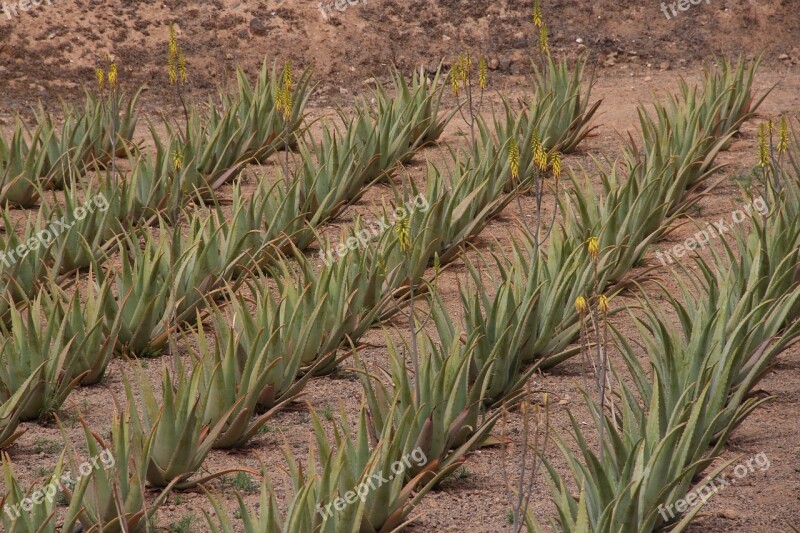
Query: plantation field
x=543, y=285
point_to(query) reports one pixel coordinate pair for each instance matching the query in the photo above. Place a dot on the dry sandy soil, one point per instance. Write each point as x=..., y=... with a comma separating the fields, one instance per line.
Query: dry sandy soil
x=51, y=50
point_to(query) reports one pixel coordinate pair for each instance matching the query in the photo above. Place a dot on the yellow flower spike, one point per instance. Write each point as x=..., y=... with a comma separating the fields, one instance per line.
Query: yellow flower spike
x=287, y=76
x=182, y=65
x=544, y=39
x=513, y=158
x=112, y=76
x=602, y=304
x=483, y=79
x=536, y=142
x=403, y=231
x=581, y=306
x=101, y=78
x=555, y=160
x=540, y=157
x=173, y=43
x=177, y=159
x=537, y=14
x=464, y=67
x=455, y=76
x=770, y=126
x=783, y=137
x=763, y=146
x=593, y=247
x=176, y=60
x=285, y=98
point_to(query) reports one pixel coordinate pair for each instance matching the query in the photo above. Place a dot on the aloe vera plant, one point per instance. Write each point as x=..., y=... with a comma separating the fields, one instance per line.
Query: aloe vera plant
x=89, y=134
x=11, y=409
x=355, y=465
x=629, y=217
x=209, y=153
x=421, y=103
x=93, y=341
x=284, y=219
x=456, y=206
x=256, y=110
x=644, y=466
x=199, y=264
x=176, y=437
x=346, y=302
x=36, y=338
x=500, y=325
x=15, y=519
x=21, y=166
x=557, y=114
x=447, y=400
x=732, y=86
x=254, y=365
x=267, y=519
x=383, y=135
x=355, y=462
x=678, y=140
x=110, y=120
x=82, y=229
x=142, y=297
x=561, y=112
x=161, y=182
x=25, y=259
x=332, y=172
x=531, y=309
x=111, y=499
x=136, y=196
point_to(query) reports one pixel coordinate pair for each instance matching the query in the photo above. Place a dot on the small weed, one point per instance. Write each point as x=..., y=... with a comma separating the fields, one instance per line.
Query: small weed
x=46, y=446
x=243, y=483
x=510, y=516
x=184, y=525
x=266, y=428
x=747, y=178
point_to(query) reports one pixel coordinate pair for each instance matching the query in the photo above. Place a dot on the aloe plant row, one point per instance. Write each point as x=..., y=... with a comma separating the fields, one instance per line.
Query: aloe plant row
x=531, y=312
x=435, y=227
x=660, y=184
x=699, y=392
